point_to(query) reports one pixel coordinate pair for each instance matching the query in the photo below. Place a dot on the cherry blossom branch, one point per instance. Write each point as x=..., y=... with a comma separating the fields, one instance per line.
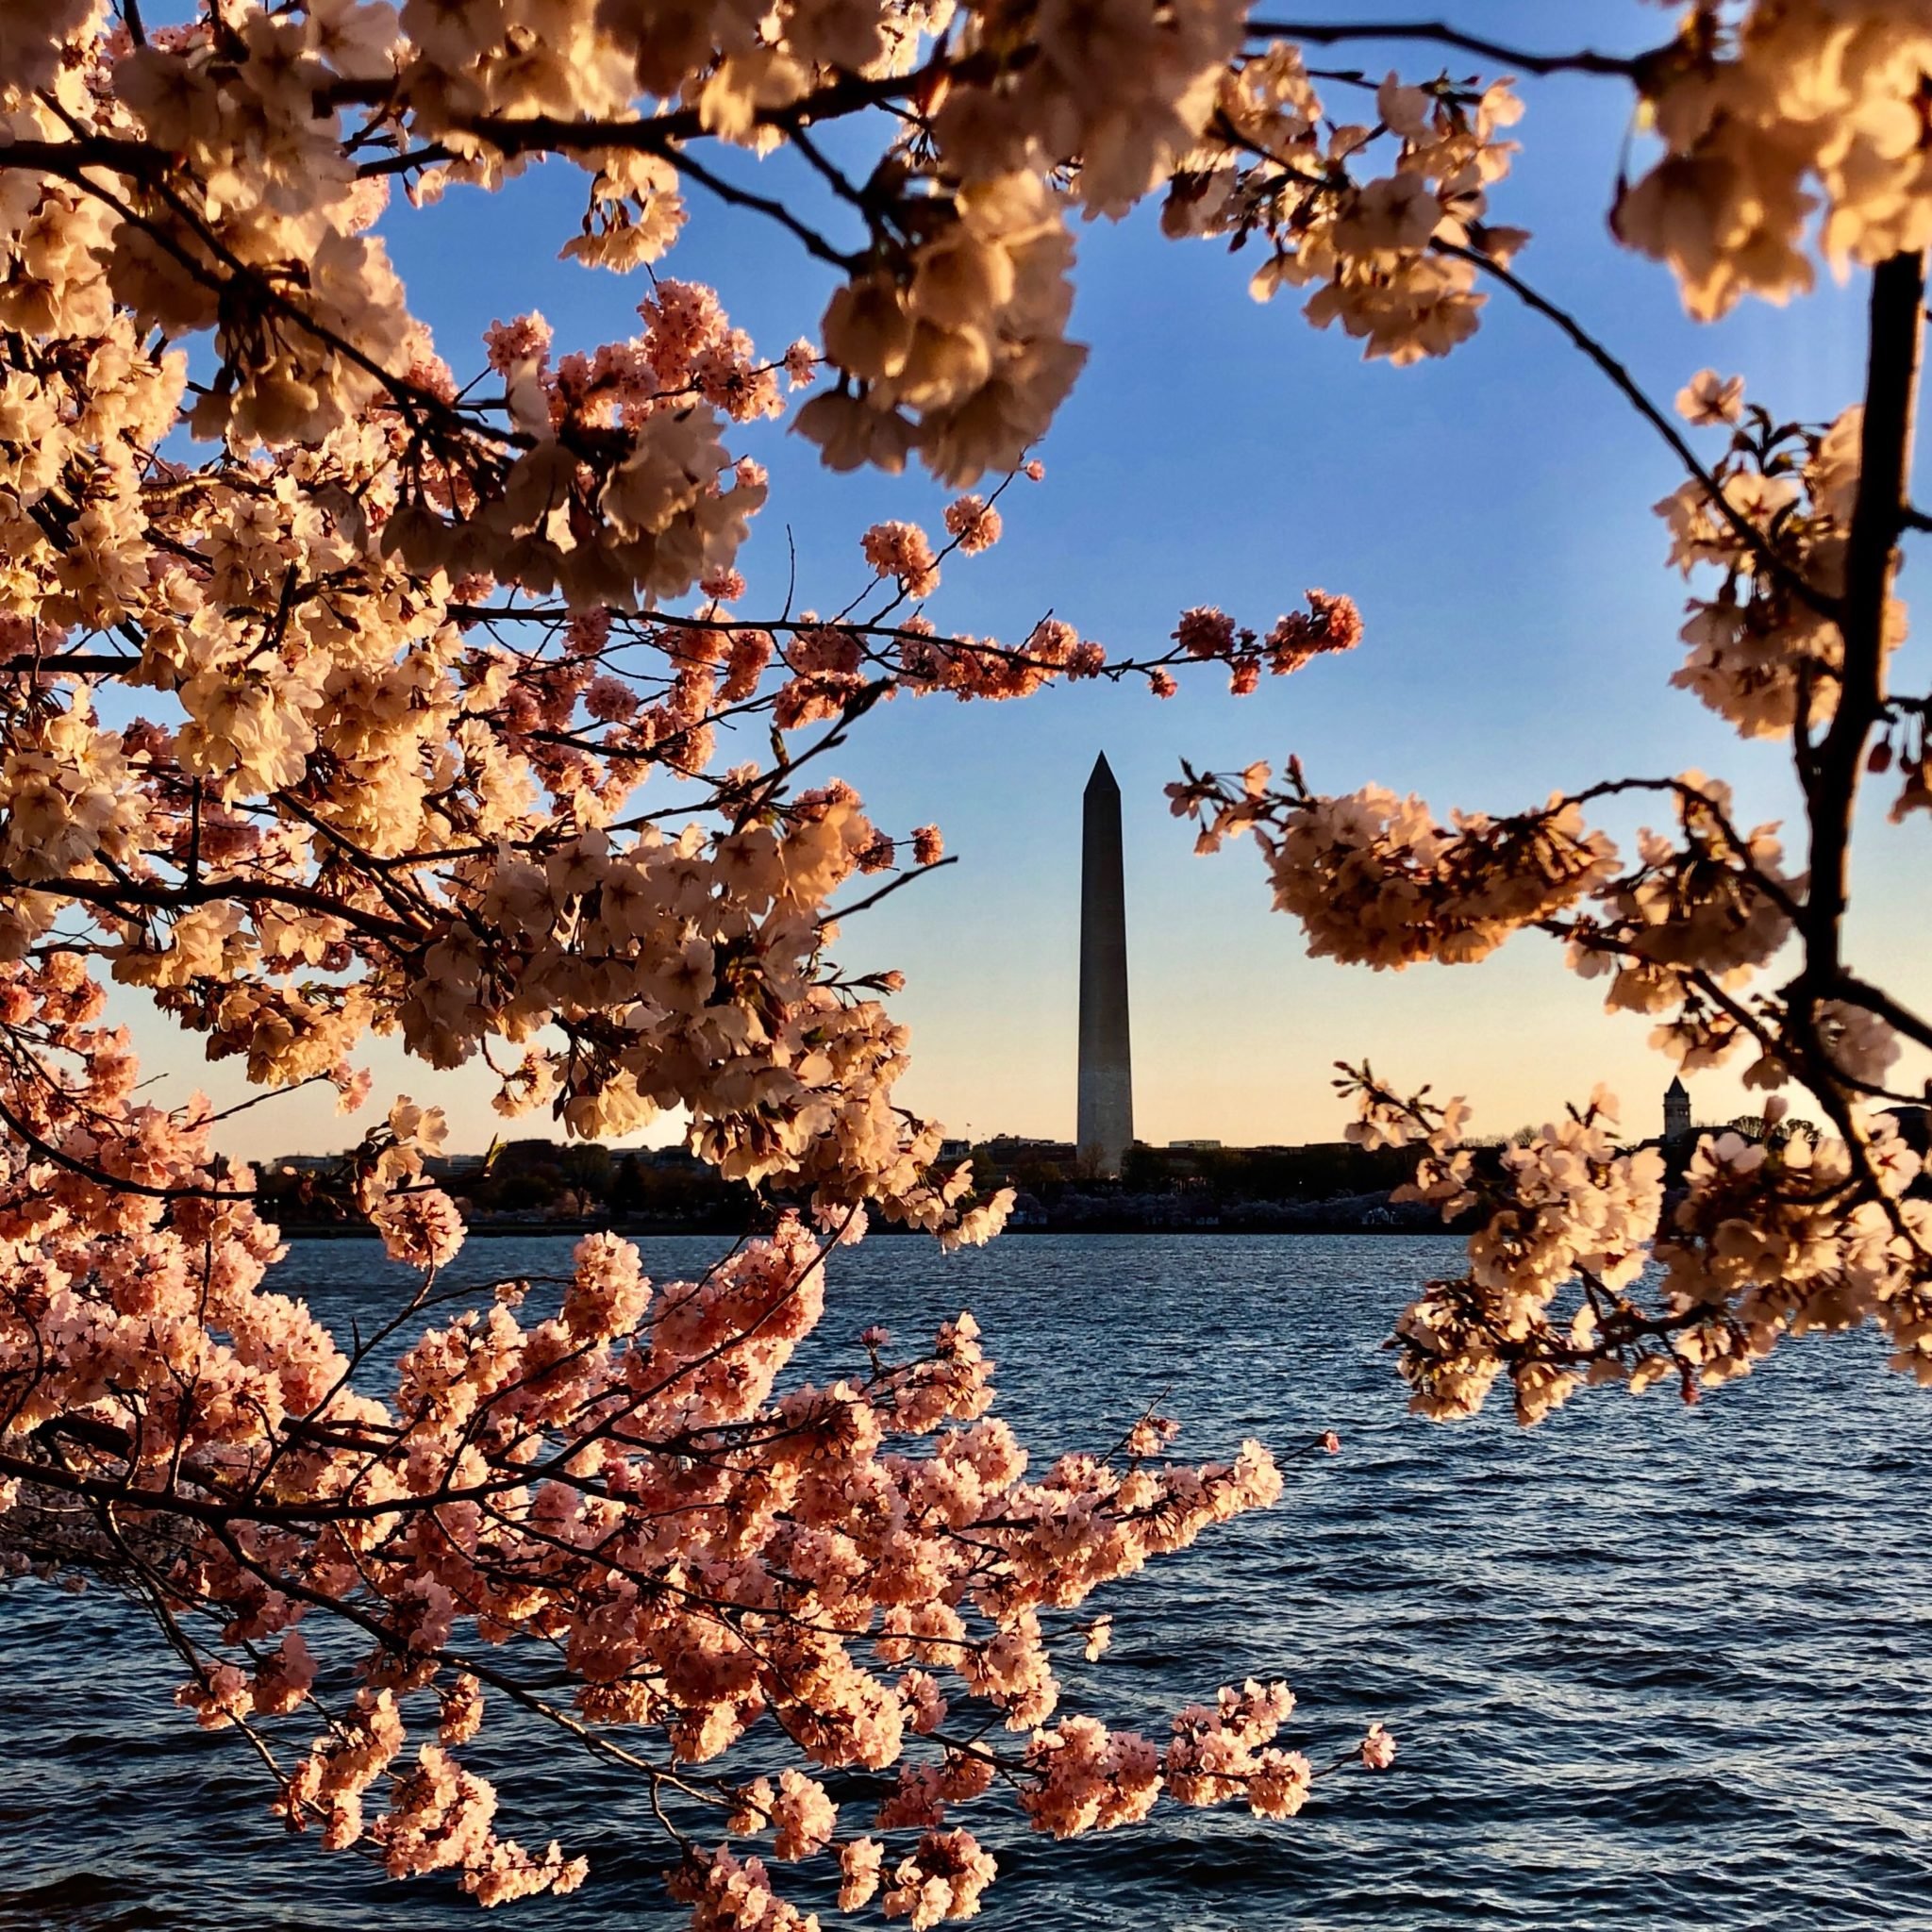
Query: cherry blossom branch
x=113, y=1183
x=71, y=161
x=178, y=894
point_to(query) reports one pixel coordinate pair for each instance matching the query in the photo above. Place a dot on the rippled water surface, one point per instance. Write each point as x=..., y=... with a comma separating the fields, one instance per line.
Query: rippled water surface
x=1648, y=1666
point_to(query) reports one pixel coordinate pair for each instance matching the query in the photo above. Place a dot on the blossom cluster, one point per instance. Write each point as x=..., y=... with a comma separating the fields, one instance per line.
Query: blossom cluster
x=409, y=641
x=629, y=1485
x=1375, y=880
x=1393, y=255
x=1578, y=1276
x=1770, y=115
x=394, y=645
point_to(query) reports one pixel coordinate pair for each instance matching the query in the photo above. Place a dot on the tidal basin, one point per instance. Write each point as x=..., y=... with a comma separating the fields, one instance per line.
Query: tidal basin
x=1647, y=1665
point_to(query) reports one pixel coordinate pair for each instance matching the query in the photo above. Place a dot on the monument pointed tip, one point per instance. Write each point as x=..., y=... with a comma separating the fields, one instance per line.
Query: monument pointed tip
x=1102, y=775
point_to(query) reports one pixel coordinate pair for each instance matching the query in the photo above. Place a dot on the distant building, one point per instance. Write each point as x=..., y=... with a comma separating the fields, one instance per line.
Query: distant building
x=1194, y=1146
x=452, y=1167
x=1010, y=1150
x=1676, y=1111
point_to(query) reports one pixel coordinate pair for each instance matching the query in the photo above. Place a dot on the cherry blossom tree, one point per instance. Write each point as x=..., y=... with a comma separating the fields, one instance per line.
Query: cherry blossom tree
x=335, y=674
x=333, y=679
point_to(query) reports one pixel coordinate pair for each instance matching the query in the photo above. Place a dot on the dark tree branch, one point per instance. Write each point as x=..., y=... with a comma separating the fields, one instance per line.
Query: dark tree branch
x=886, y=891
x=114, y=1183
x=79, y=661
x=1330, y=34
x=1874, y=1000
x=1878, y=517
x=166, y=896
x=1771, y=561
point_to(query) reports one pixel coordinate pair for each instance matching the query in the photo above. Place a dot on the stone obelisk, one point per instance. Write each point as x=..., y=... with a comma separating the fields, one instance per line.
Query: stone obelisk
x=1107, y=1077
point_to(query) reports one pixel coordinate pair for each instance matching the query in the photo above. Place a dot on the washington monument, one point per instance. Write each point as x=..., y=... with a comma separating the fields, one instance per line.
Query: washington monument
x=1106, y=1074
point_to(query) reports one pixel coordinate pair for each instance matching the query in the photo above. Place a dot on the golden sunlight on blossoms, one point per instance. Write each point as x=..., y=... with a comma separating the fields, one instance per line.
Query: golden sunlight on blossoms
x=369, y=687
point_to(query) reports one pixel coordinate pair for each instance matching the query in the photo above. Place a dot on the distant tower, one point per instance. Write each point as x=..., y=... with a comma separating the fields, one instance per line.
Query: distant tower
x=1107, y=1077
x=1676, y=1111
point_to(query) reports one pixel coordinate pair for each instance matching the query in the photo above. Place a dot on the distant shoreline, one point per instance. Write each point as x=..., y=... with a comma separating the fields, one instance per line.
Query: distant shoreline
x=342, y=1231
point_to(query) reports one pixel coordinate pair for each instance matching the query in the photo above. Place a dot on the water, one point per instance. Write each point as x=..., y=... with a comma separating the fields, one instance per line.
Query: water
x=1648, y=1666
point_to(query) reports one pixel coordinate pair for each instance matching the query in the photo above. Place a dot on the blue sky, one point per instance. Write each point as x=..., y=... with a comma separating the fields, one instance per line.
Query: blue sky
x=1491, y=513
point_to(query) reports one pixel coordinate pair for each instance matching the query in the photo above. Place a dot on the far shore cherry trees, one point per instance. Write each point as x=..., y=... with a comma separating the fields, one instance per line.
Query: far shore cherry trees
x=354, y=683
